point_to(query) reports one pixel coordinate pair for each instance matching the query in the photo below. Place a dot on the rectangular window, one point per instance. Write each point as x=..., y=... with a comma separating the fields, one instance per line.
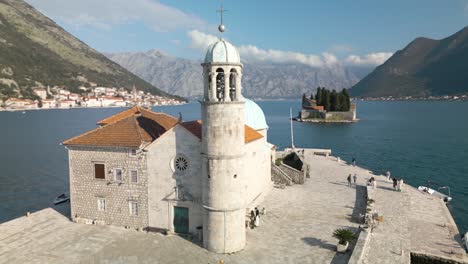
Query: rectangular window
x=118, y=175
x=101, y=204
x=132, y=153
x=133, y=206
x=99, y=171
x=134, y=176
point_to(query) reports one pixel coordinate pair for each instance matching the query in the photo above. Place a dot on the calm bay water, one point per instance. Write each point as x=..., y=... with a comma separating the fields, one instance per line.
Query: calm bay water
x=414, y=140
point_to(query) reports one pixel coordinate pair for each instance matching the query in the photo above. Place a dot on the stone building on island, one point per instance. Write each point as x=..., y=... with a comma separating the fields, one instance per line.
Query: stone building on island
x=311, y=112
x=144, y=169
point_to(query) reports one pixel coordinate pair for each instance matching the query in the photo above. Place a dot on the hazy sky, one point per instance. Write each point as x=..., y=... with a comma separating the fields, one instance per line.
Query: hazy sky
x=313, y=32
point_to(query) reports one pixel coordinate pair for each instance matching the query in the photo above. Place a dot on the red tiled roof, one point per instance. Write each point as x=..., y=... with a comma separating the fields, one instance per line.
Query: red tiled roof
x=318, y=107
x=129, y=128
x=164, y=120
x=195, y=127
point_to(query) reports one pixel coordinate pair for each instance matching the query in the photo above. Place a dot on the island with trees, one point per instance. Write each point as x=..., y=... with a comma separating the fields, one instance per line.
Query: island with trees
x=328, y=106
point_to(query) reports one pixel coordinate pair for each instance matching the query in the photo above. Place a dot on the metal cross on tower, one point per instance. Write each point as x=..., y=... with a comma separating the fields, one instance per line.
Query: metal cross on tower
x=221, y=26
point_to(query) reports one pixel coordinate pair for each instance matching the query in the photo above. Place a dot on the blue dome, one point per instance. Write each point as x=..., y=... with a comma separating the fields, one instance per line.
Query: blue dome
x=254, y=116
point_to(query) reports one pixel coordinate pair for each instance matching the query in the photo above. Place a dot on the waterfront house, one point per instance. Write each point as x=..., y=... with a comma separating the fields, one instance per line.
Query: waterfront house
x=41, y=92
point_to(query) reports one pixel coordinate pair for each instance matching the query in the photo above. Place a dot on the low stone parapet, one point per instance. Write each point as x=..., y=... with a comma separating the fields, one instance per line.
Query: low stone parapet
x=298, y=177
x=280, y=177
x=364, y=235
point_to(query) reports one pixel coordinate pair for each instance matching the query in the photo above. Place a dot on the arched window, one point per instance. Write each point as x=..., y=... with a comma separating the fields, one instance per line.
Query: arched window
x=208, y=77
x=220, y=83
x=232, y=84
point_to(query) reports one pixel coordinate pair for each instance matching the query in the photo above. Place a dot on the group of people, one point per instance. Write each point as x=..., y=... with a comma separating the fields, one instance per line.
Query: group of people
x=255, y=217
x=354, y=177
x=397, y=183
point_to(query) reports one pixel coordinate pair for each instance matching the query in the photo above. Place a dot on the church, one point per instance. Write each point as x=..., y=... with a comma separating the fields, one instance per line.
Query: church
x=151, y=171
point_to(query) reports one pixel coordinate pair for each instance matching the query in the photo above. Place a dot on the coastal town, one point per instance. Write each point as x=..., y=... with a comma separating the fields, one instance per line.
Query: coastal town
x=92, y=97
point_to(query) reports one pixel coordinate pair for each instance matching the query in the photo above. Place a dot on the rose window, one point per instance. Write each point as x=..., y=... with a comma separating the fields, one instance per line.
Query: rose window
x=181, y=164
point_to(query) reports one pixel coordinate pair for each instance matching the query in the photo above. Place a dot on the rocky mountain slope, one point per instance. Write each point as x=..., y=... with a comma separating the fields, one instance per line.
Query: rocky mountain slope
x=425, y=67
x=35, y=51
x=260, y=80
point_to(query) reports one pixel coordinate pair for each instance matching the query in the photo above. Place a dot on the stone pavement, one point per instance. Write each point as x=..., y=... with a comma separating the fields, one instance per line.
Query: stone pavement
x=414, y=222
x=297, y=228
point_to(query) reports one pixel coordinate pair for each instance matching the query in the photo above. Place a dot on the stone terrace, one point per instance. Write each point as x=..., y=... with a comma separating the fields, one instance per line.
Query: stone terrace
x=297, y=228
x=414, y=222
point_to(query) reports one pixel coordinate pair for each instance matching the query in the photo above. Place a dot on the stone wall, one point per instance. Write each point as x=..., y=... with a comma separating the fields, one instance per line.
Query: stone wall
x=424, y=258
x=298, y=177
x=329, y=116
x=85, y=189
x=279, y=177
x=349, y=116
x=163, y=178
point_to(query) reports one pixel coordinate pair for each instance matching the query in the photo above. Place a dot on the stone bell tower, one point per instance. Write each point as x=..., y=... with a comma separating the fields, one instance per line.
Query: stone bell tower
x=223, y=143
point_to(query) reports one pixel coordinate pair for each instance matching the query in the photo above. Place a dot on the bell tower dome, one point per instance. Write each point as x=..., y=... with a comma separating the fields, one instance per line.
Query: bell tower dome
x=223, y=149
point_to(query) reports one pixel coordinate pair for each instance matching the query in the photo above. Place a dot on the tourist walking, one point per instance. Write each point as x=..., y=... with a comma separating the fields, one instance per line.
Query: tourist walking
x=354, y=178
x=252, y=219
x=400, y=182
x=349, y=180
x=257, y=217
x=394, y=183
x=388, y=175
x=353, y=162
x=398, y=187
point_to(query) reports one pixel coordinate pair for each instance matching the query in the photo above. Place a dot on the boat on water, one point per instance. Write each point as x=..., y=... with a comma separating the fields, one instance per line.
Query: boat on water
x=61, y=199
x=445, y=198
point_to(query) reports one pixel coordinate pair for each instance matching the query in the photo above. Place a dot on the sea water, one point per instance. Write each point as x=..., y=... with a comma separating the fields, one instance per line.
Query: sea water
x=417, y=141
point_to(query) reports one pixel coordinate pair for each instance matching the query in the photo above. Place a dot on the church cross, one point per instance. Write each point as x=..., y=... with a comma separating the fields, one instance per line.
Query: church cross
x=221, y=11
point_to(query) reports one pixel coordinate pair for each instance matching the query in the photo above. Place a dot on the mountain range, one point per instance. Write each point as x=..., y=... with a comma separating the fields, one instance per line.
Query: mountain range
x=425, y=67
x=35, y=51
x=183, y=77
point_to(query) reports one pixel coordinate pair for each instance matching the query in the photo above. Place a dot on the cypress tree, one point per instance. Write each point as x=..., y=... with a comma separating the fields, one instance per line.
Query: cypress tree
x=346, y=100
x=304, y=98
x=326, y=99
x=333, y=101
x=318, y=96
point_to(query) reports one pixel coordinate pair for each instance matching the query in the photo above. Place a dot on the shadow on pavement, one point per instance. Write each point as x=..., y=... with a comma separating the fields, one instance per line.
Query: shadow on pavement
x=315, y=242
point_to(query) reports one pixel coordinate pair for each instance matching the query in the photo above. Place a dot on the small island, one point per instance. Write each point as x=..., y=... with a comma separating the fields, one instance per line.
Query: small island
x=327, y=107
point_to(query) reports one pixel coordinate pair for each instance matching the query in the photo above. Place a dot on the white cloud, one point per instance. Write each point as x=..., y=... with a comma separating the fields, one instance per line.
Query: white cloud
x=253, y=53
x=201, y=41
x=104, y=14
x=372, y=59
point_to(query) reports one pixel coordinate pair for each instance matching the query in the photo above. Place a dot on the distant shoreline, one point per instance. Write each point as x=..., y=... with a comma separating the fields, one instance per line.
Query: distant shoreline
x=68, y=108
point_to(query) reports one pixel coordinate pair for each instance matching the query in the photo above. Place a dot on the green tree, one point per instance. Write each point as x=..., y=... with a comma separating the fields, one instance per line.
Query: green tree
x=326, y=99
x=318, y=96
x=333, y=101
x=312, y=96
x=346, y=100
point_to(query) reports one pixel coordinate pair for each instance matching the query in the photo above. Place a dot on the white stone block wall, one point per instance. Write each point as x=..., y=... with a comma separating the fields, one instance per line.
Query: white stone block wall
x=85, y=190
x=162, y=178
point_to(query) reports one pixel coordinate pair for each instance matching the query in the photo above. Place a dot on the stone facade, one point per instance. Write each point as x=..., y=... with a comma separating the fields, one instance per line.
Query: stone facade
x=314, y=115
x=86, y=190
x=168, y=187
